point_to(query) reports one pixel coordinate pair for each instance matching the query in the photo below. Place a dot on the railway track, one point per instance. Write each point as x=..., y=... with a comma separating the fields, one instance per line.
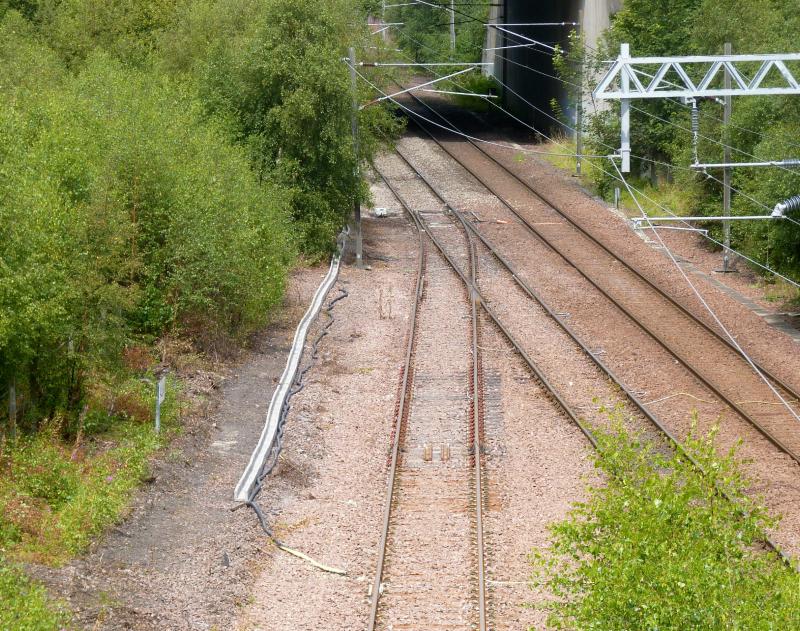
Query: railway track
x=592, y=259
x=433, y=512
x=703, y=351
x=467, y=271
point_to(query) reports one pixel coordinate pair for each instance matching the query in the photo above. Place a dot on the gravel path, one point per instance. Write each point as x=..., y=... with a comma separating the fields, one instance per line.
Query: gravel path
x=337, y=442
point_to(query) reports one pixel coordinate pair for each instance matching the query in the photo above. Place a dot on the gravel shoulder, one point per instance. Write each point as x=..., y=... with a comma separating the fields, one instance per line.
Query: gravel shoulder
x=336, y=447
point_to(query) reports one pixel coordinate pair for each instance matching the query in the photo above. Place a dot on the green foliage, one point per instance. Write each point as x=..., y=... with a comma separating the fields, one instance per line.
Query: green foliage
x=125, y=28
x=161, y=163
x=763, y=128
x=24, y=605
x=657, y=547
x=128, y=212
x=479, y=84
x=289, y=93
x=426, y=30
x=280, y=80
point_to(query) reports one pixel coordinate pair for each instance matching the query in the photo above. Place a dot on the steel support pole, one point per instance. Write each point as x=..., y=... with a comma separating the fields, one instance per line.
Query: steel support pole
x=579, y=104
x=625, y=111
x=357, y=151
x=453, y=25
x=726, y=177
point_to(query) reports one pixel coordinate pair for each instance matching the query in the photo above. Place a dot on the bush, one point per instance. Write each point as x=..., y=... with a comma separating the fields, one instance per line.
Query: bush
x=126, y=211
x=127, y=29
x=479, y=84
x=657, y=547
x=284, y=85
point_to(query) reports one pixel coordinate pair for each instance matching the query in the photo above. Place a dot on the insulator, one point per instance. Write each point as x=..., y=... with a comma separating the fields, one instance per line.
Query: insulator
x=793, y=203
x=695, y=118
x=787, y=206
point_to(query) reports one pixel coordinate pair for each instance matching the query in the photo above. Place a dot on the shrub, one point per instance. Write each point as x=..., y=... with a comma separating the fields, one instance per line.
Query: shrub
x=124, y=211
x=285, y=86
x=127, y=29
x=275, y=71
x=657, y=547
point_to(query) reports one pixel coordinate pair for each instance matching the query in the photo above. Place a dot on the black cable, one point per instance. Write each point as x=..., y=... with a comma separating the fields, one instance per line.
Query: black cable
x=272, y=458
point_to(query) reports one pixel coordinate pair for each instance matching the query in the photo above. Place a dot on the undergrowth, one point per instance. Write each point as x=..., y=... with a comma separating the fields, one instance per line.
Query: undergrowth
x=24, y=604
x=656, y=547
x=56, y=496
x=662, y=195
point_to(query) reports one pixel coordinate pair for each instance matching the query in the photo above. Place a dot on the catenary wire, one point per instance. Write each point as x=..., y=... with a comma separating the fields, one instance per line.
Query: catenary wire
x=766, y=268
x=700, y=297
x=588, y=157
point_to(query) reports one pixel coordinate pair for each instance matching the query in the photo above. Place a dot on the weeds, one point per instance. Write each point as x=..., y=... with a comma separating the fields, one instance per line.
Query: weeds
x=657, y=547
x=54, y=496
x=24, y=604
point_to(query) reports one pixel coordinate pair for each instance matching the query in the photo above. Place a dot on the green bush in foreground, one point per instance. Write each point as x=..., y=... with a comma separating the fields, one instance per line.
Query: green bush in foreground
x=24, y=606
x=656, y=547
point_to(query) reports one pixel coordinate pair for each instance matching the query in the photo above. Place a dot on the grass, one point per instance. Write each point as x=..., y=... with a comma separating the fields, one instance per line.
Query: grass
x=55, y=497
x=655, y=547
x=24, y=606
x=666, y=194
x=782, y=293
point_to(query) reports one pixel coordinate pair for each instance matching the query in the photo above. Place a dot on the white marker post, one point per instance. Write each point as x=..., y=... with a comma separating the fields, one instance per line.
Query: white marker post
x=161, y=395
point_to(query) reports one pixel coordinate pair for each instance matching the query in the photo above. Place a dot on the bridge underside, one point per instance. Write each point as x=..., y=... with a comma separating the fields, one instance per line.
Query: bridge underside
x=526, y=70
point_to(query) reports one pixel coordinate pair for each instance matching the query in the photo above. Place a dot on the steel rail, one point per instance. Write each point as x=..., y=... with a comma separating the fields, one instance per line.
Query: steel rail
x=477, y=448
x=777, y=442
x=535, y=296
x=420, y=222
x=476, y=411
x=400, y=420
x=661, y=428
x=777, y=380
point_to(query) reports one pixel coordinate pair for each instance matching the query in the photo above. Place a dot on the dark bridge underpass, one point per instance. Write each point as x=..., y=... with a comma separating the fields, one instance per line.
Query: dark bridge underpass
x=525, y=69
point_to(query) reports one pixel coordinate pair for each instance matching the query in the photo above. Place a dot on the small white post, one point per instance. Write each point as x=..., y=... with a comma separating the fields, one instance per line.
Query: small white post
x=161, y=395
x=625, y=109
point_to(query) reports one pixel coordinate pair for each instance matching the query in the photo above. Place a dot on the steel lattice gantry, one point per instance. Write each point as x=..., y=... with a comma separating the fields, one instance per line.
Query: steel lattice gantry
x=693, y=77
